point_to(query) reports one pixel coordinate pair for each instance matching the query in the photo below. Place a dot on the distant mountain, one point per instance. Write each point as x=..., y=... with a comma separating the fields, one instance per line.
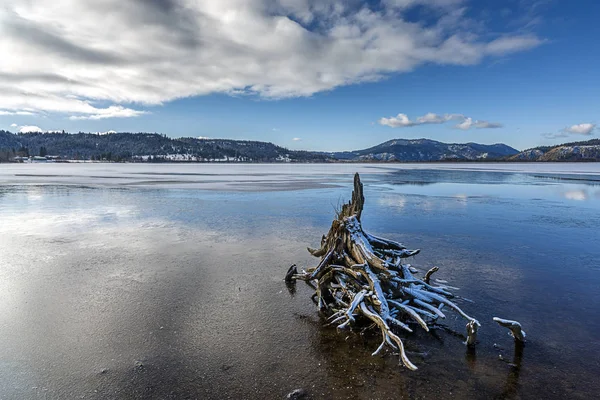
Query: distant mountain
x=150, y=147
x=153, y=147
x=574, y=151
x=426, y=150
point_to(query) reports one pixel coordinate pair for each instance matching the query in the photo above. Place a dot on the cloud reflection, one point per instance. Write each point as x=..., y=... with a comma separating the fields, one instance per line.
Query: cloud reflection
x=579, y=195
x=461, y=199
x=48, y=223
x=397, y=201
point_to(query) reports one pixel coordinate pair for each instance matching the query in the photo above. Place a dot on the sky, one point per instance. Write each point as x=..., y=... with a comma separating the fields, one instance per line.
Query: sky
x=305, y=74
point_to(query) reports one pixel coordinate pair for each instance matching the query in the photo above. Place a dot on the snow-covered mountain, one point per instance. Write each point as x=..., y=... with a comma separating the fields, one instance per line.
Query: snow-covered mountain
x=426, y=150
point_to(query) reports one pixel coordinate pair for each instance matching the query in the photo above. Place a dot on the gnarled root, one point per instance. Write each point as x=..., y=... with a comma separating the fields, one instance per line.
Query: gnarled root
x=516, y=331
x=472, y=327
x=289, y=277
x=361, y=275
x=429, y=273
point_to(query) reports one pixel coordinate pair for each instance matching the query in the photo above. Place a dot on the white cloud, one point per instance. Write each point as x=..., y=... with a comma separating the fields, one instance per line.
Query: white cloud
x=466, y=124
x=431, y=118
x=469, y=123
x=4, y=112
x=62, y=60
x=203, y=137
x=581, y=129
x=510, y=44
x=402, y=121
x=487, y=125
x=297, y=139
x=578, y=129
x=30, y=128
x=13, y=125
x=110, y=112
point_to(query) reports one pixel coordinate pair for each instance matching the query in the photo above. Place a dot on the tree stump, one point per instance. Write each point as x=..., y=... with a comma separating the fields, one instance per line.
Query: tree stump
x=362, y=277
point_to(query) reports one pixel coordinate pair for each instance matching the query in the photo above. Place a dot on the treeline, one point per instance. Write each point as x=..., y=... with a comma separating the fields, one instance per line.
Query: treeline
x=153, y=147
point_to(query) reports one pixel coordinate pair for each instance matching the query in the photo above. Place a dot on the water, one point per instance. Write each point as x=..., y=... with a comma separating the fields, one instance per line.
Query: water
x=164, y=281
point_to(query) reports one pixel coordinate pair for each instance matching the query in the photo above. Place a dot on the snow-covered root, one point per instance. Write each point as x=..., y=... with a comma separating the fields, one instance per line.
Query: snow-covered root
x=387, y=332
x=349, y=313
x=410, y=311
x=516, y=331
x=472, y=327
x=360, y=277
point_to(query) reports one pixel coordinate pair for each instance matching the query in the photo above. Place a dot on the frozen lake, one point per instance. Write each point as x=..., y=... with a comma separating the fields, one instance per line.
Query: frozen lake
x=239, y=177
x=165, y=281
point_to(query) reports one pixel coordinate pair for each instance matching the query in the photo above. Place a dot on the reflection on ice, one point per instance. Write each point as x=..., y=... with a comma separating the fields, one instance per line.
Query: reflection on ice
x=462, y=199
x=395, y=201
x=576, y=195
x=29, y=212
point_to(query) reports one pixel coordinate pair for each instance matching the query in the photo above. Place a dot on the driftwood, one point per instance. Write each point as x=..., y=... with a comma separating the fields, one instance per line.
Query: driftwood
x=362, y=278
x=516, y=331
x=472, y=327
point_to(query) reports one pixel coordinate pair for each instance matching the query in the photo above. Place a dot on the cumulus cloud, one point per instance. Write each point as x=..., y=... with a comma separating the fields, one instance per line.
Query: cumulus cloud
x=400, y=120
x=466, y=124
x=30, y=129
x=70, y=56
x=13, y=125
x=297, y=139
x=585, y=129
x=581, y=129
x=403, y=121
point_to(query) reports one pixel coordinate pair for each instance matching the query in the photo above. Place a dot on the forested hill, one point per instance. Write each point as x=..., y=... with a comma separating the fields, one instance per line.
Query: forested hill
x=153, y=147
x=575, y=151
x=146, y=147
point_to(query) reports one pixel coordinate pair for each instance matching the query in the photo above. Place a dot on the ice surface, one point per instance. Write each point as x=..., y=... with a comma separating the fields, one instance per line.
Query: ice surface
x=251, y=176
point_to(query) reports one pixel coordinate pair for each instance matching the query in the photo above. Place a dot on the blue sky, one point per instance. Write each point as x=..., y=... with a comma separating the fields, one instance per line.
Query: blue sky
x=303, y=74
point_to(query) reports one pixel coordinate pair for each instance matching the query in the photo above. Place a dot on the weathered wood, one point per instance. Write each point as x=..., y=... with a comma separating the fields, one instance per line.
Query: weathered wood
x=515, y=328
x=360, y=274
x=472, y=327
x=289, y=277
x=429, y=273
